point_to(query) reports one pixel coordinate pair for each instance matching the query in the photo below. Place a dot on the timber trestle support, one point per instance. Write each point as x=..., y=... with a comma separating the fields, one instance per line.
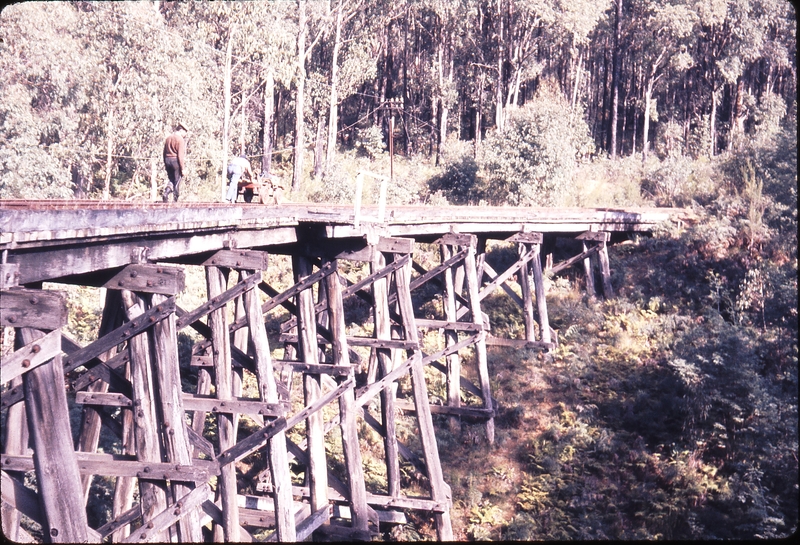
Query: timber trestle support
x=262, y=431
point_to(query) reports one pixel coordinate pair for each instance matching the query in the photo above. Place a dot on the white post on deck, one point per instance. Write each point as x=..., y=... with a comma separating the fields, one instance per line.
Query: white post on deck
x=357, y=203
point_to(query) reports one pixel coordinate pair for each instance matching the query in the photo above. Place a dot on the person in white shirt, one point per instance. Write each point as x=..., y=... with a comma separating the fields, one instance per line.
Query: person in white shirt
x=237, y=167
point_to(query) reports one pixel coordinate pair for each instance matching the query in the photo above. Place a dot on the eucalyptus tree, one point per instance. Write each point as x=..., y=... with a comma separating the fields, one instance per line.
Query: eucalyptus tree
x=449, y=27
x=41, y=141
x=313, y=21
x=352, y=62
x=733, y=35
x=665, y=31
x=97, y=78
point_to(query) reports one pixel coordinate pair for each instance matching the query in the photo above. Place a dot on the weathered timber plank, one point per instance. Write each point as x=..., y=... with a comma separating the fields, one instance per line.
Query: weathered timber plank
x=308, y=349
x=107, y=399
x=216, y=302
x=57, y=473
x=319, y=403
x=489, y=288
x=397, y=344
x=366, y=393
x=102, y=253
x=352, y=289
x=31, y=356
x=177, y=447
x=527, y=287
x=214, y=514
x=216, y=281
x=9, y=275
x=310, y=524
x=439, y=489
x=445, y=324
x=148, y=278
x=20, y=497
x=92, y=419
x=588, y=271
x=120, y=465
x=195, y=402
x=166, y=518
x=381, y=501
x=406, y=502
x=541, y=302
x=268, y=392
x=257, y=518
x=153, y=494
x=129, y=516
x=477, y=412
x=526, y=237
x=572, y=260
x=110, y=371
x=453, y=369
x=42, y=309
x=605, y=271
x=299, y=453
x=121, y=334
x=347, y=408
x=492, y=274
x=239, y=259
x=325, y=369
x=436, y=271
x=383, y=359
x=252, y=443
x=597, y=236
x=200, y=443
x=457, y=239
x=473, y=289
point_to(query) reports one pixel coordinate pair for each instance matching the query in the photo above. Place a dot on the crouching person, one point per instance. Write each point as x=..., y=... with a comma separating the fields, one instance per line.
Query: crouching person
x=238, y=167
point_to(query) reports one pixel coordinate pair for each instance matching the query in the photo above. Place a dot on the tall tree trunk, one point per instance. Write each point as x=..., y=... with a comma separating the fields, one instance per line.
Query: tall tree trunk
x=153, y=180
x=333, y=110
x=299, y=124
x=269, y=120
x=577, y=80
x=446, y=106
x=498, y=90
x=440, y=102
x=737, y=117
x=406, y=94
x=319, y=145
x=615, y=81
x=478, y=119
x=226, y=118
x=713, y=143
x=109, y=150
x=648, y=94
x=243, y=130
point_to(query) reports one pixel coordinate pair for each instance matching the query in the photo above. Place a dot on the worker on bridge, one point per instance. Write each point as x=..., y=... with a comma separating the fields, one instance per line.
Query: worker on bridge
x=175, y=160
x=237, y=168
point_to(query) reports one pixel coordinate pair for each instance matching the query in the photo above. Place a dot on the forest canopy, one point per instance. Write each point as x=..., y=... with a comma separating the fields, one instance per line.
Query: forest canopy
x=91, y=89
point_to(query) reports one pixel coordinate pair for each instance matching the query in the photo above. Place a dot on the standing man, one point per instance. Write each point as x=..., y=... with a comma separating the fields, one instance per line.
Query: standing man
x=175, y=160
x=237, y=167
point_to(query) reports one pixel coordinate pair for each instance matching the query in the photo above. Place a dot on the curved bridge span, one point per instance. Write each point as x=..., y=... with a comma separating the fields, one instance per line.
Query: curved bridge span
x=220, y=461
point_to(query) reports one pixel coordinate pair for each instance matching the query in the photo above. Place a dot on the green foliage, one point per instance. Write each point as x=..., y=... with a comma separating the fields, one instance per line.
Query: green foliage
x=458, y=181
x=533, y=160
x=370, y=141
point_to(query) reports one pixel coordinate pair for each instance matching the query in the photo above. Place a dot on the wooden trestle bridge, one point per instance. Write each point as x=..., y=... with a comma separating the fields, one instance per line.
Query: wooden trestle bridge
x=184, y=461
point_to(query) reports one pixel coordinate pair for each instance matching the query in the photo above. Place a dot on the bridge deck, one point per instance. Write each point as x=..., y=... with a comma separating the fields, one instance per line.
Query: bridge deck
x=76, y=237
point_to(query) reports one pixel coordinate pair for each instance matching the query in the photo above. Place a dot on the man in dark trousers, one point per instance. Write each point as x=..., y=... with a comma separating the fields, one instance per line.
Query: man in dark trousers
x=175, y=160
